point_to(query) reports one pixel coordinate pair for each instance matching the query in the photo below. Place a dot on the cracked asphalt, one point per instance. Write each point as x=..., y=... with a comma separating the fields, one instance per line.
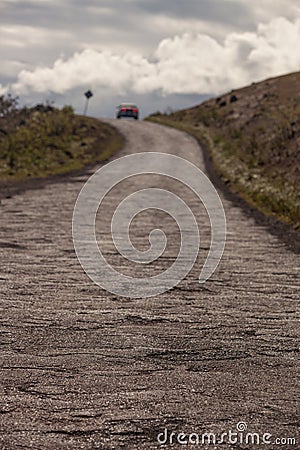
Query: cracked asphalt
x=84, y=369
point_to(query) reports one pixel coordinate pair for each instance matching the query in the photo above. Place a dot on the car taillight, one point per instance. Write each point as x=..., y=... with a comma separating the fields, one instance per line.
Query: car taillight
x=123, y=109
x=135, y=110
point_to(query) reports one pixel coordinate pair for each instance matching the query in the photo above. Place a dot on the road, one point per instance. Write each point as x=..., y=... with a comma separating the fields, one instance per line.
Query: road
x=82, y=368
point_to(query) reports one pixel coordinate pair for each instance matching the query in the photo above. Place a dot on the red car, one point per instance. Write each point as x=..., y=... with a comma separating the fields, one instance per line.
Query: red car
x=127, y=110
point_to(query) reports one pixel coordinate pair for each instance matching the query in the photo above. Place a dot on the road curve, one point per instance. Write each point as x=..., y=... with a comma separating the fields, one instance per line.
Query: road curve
x=85, y=369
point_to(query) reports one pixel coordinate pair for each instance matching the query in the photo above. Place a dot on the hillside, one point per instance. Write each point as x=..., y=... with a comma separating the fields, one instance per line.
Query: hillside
x=253, y=136
x=43, y=140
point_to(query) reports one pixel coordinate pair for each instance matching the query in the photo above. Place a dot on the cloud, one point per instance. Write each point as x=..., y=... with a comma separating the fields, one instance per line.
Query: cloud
x=89, y=67
x=184, y=64
x=218, y=12
x=37, y=32
x=265, y=10
x=3, y=90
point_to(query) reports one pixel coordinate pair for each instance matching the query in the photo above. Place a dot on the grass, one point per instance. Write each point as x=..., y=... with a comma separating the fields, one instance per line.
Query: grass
x=252, y=136
x=44, y=141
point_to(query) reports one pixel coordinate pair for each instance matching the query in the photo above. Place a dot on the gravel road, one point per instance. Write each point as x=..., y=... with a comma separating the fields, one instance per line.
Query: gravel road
x=85, y=369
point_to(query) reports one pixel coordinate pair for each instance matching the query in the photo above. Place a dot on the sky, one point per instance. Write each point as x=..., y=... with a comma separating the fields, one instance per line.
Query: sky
x=162, y=54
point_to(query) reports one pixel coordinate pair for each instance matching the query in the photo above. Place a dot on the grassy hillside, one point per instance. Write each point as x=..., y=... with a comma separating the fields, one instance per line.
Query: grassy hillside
x=253, y=137
x=42, y=141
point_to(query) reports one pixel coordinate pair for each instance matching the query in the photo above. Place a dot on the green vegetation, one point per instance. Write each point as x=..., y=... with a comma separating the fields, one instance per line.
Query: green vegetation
x=43, y=140
x=253, y=138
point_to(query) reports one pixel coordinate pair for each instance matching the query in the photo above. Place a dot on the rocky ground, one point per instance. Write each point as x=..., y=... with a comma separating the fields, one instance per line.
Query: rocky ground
x=254, y=138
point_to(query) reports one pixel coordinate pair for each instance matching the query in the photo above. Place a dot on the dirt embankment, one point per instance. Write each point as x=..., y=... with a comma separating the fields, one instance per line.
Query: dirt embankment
x=253, y=135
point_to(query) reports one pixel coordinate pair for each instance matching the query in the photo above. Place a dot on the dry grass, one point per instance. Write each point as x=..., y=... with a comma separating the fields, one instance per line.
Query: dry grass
x=42, y=141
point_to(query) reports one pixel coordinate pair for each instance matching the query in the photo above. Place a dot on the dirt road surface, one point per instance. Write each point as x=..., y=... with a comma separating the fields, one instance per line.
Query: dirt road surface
x=85, y=369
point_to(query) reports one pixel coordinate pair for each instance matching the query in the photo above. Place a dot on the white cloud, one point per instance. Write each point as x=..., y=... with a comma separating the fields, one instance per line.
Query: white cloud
x=89, y=67
x=3, y=90
x=185, y=64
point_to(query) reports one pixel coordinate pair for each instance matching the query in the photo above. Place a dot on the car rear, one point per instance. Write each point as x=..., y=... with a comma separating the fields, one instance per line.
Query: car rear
x=128, y=110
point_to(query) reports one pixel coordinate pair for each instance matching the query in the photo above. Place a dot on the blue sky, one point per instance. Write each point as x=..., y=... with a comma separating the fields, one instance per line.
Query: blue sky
x=160, y=54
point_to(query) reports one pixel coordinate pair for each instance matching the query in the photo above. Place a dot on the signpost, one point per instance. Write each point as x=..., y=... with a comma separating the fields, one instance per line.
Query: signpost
x=88, y=95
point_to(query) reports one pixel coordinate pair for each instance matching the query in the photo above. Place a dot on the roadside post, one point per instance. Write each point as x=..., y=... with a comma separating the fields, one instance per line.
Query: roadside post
x=88, y=95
